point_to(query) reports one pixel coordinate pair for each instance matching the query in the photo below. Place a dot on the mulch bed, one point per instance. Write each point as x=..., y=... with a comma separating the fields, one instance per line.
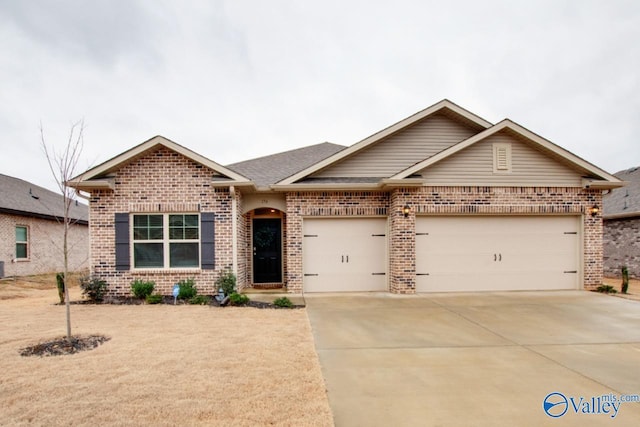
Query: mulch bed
x=169, y=301
x=61, y=346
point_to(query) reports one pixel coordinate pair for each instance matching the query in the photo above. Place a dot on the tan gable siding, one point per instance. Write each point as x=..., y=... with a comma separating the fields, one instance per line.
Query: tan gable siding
x=474, y=166
x=409, y=146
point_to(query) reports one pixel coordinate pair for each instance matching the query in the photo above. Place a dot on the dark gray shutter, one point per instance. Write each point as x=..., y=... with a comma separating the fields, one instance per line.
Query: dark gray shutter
x=123, y=261
x=207, y=241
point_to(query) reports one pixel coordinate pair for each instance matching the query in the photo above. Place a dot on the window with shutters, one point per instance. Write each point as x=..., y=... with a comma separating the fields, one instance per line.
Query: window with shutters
x=501, y=158
x=166, y=240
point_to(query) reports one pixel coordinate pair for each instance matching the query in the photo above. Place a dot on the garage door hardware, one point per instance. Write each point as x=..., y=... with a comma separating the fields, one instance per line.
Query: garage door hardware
x=497, y=257
x=310, y=235
x=378, y=274
x=571, y=271
x=422, y=234
x=570, y=232
x=378, y=235
x=345, y=257
x=311, y=274
x=422, y=274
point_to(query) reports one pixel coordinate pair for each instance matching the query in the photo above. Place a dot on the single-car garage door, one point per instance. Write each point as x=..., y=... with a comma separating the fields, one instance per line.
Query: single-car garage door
x=487, y=253
x=344, y=254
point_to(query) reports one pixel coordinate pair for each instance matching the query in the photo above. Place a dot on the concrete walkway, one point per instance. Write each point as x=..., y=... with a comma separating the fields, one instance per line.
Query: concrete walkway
x=483, y=359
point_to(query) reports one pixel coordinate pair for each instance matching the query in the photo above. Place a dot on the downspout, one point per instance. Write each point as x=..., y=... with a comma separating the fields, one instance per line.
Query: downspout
x=234, y=231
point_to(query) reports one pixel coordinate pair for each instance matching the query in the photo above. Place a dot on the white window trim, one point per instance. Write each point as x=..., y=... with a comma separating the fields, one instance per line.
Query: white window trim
x=497, y=148
x=26, y=242
x=166, y=242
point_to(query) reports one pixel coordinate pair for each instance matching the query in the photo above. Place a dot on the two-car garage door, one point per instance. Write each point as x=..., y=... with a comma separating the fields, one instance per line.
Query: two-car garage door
x=486, y=253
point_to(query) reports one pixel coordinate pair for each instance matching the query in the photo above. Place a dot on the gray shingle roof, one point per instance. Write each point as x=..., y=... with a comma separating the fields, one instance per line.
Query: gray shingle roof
x=23, y=198
x=268, y=170
x=624, y=201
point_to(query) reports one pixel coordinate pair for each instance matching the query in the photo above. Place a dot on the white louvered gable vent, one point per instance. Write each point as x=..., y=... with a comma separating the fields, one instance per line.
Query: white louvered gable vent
x=501, y=158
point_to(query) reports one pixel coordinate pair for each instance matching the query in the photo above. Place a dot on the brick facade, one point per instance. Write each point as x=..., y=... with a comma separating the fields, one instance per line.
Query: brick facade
x=622, y=246
x=163, y=181
x=440, y=201
x=45, y=252
x=157, y=182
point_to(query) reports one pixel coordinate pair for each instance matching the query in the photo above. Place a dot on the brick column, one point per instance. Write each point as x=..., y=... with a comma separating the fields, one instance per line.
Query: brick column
x=402, y=244
x=293, y=250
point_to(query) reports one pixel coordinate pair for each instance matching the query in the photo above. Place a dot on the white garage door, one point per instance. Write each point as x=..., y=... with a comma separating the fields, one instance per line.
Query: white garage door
x=344, y=255
x=497, y=253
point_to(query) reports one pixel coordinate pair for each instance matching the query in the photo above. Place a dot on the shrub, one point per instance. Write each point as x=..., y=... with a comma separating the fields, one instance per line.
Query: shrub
x=154, y=299
x=200, y=300
x=187, y=289
x=226, y=282
x=93, y=288
x=283, y=302
x=606, y=289
x=60, y=283
x=625, y=279
x=238, y=299
x=142, y=288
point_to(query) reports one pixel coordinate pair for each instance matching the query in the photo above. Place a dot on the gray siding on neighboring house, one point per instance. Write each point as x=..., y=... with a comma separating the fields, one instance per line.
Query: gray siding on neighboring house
x=474, y=166
x=622, y=246
x=403, y=149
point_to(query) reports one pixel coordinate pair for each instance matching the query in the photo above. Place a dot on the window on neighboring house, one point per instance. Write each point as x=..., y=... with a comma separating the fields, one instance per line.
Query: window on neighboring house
x=22, y=242
x=166, y=241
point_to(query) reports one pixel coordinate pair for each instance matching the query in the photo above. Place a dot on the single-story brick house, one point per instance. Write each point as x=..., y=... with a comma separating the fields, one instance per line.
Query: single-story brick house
x=31, y=230
x=440, y=201
x=622, y=226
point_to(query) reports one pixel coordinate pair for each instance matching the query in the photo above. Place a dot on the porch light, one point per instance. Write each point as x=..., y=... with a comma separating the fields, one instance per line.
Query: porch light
x=406, y=210
x=594, y=210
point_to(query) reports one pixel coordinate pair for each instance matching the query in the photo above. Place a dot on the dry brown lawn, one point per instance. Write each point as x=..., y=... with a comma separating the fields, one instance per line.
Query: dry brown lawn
x=164, y=365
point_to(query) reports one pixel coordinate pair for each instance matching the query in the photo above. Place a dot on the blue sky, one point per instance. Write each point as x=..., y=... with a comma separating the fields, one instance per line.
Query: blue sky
x=238, y=79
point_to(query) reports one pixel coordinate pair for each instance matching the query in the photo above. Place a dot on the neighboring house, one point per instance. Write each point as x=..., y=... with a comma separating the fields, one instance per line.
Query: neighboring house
x=622, y=226
x=31, y=230
x=440, y=201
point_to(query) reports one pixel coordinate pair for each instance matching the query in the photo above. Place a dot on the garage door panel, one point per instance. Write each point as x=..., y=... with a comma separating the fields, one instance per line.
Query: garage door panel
x=496, y=253
x=344, y=254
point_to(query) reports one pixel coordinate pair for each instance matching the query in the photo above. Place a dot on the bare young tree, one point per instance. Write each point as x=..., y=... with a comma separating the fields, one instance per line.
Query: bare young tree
x=63, y=166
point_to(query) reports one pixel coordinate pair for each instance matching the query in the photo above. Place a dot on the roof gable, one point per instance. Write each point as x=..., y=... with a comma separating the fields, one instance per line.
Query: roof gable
x=98, y=177
x=594, y=175
x=444, y=106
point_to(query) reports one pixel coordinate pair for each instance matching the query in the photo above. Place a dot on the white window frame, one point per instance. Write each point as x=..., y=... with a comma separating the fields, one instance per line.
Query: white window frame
x=166, y=241
x=25, y=242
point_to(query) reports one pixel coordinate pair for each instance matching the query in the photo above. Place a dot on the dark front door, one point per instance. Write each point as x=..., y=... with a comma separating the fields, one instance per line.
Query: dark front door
x=267, y=250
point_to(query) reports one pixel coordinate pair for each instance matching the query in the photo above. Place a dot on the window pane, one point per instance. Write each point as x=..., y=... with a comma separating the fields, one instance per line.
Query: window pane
x=141, y=221
x=147, y=227
x=191, y=233
x=176, y=233
x=191, y=220
x=21, y=234
x=140, y=234
x=176, y=220
x=147, y=255
x=155, y=233
x=21, y=250
x=184, y=255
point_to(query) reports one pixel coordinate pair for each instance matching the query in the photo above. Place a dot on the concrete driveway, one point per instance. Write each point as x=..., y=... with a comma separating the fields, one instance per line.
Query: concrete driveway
x=478, y=359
